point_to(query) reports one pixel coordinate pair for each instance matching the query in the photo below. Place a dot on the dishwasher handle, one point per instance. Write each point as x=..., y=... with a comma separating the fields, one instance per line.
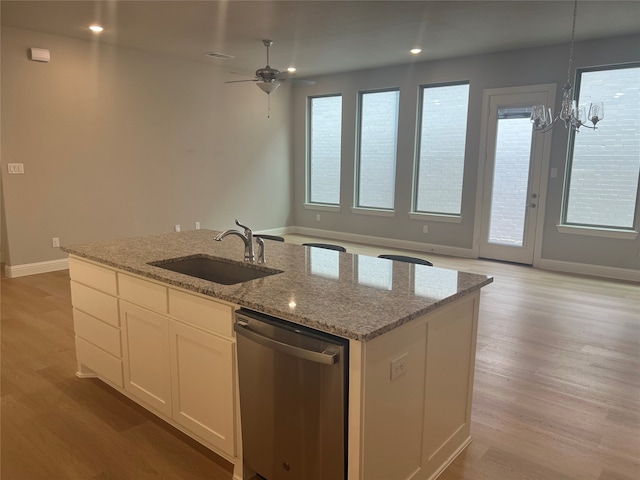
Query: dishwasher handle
x=326, y=358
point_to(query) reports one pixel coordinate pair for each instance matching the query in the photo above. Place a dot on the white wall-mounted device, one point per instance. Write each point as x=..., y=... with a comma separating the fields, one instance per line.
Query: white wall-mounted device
x=39, y=55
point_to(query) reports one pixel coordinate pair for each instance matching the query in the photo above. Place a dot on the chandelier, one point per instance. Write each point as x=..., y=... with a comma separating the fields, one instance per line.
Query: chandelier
x=571, y=114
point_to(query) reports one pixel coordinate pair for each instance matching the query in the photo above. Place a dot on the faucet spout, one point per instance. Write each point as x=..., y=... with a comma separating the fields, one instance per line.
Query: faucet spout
x=247, y=238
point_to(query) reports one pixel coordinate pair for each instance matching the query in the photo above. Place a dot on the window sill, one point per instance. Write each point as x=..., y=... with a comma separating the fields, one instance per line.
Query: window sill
x=322, y=207
x=434, y=217
x=373, y=211
x=599, y=232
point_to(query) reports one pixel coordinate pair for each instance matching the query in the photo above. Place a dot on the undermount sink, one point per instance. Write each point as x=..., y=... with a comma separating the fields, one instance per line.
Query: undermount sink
x=214, y=270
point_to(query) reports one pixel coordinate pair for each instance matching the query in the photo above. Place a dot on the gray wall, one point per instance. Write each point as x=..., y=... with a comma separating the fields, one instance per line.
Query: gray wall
x=508, y=69
x=117, y=142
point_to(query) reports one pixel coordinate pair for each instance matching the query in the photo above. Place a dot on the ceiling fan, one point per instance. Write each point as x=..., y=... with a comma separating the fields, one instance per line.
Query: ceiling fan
x=269, y=79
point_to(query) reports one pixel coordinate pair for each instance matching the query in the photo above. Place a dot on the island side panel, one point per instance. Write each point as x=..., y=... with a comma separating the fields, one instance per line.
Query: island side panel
x=416, y=386
x=355, y=411
x=451, y=354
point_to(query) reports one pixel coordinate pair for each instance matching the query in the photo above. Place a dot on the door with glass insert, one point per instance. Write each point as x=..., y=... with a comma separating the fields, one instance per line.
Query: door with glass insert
x=513, y=165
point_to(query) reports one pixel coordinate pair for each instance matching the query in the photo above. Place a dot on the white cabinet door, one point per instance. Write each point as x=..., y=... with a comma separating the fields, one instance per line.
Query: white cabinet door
x=146, y=341
x=202, y=371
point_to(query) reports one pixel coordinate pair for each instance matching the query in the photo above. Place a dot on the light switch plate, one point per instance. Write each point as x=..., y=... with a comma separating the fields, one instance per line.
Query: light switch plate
x=15, y=168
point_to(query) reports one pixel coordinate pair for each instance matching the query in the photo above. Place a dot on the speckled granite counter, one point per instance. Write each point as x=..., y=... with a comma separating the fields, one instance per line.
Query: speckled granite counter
x=353, y=296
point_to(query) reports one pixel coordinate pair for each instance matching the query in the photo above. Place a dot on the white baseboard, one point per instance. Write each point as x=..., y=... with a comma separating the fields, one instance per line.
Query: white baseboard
x=13, y=271
x=587, y=269
x=386, y=242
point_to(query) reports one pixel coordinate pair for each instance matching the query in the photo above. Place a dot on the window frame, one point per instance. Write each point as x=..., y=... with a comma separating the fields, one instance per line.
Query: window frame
x=308, y=177
x=357, y=207
x=592, y=229
x=432, y=215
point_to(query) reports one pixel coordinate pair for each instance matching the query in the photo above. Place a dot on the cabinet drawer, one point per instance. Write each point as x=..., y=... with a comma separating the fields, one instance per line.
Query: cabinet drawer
x=97, y=332
x=101, y=362
x=92, y=275
x=207, y=314
x=142, y=292
x=95, y=303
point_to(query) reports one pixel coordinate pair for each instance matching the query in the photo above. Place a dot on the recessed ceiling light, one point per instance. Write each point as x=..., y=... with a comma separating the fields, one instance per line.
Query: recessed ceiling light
x=95, y=28
x=291, y=69
x=415, y=51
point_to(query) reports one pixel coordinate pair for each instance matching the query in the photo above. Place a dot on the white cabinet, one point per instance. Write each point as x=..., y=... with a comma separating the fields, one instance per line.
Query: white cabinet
x=182, y=372
x=146, y=344
x=96, y=322
x=170, y=350
x=202, y=378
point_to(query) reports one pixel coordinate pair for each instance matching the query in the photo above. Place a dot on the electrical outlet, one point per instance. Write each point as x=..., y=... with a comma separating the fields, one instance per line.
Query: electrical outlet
x=399, y=366
x=425, y=228
x=55, y=241
x=15, y=168
x=197, y=225
x=177, y=227
x=317, y=217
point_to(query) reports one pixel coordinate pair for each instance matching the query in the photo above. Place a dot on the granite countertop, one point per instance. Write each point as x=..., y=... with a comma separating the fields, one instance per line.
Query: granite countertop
x=353, y=296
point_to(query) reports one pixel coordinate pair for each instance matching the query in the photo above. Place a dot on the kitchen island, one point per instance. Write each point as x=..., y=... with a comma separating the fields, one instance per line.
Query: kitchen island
x=166, y=340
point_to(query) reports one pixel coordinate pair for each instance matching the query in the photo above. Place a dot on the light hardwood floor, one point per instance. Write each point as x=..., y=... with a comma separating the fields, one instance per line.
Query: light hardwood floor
x=557, y=387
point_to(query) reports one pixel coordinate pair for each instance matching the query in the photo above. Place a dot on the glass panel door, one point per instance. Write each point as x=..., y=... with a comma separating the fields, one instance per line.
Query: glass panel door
x=513, y=166
x=510, y=177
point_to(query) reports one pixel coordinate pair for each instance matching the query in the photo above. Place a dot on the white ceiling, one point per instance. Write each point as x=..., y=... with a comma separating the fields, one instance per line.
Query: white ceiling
x=324, y=36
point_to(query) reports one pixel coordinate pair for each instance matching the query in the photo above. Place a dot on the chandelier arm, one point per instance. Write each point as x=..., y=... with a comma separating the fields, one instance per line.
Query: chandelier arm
x=573, y=34
x=548, y=127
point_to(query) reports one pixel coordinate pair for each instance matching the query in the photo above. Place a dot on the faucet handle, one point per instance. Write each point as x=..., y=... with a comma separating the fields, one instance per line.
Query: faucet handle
x=261, y=253
x=247, y=230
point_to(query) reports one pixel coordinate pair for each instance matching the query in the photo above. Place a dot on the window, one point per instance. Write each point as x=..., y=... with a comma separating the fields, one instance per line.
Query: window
x=324, y=137
x=377, y=149
x=604, y=165
x=440, y=155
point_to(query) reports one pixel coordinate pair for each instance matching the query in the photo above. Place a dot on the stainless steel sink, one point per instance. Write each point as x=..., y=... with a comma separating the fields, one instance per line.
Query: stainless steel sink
x=214, y=270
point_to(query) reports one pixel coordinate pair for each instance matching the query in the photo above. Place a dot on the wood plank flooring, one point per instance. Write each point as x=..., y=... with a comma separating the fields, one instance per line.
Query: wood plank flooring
x=557, y=387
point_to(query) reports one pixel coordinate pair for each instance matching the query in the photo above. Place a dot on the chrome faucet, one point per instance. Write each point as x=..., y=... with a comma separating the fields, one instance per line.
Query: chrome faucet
x=247, y=238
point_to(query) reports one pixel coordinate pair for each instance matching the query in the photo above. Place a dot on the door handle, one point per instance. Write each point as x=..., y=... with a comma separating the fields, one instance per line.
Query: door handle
x=531, y=205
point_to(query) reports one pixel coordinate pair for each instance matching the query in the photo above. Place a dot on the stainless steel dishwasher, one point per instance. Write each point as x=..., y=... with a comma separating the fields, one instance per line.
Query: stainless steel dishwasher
x=293, y=399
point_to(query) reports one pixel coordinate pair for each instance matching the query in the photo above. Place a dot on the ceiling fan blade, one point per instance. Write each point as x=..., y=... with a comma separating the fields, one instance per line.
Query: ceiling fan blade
x=244, y=73
x=301, y=81
x=240, y=81
x=291, y=77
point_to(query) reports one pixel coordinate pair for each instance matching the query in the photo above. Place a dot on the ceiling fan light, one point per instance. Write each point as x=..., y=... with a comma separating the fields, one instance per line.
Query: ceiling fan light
x=268, y=87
